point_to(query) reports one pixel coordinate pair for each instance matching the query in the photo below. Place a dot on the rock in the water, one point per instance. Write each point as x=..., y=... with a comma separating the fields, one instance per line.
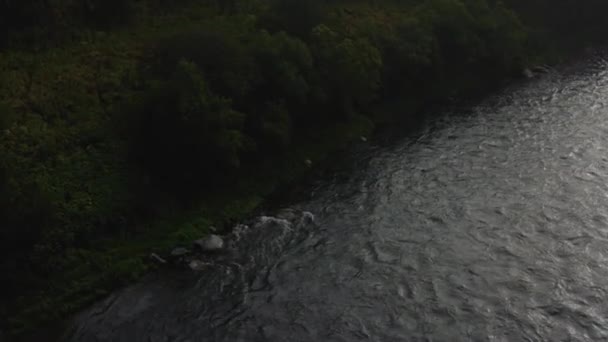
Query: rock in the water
x=156, y=258
x=296, y=216
x=179, y=252
x=197, y=265
x=212, y=243
x=528, y=73
x=541, y=69
x=308, y=163
x=363, y=139
x=238, y=232
x=308, y=217
x=288, y=214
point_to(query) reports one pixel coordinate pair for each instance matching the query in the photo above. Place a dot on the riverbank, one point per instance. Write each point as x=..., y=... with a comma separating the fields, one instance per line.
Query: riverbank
x=122, y=142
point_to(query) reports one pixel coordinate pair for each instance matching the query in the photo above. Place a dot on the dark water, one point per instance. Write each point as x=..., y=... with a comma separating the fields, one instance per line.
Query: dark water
x=491, y=225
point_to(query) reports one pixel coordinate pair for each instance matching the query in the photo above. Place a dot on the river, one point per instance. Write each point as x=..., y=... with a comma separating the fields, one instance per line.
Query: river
x=490, y=224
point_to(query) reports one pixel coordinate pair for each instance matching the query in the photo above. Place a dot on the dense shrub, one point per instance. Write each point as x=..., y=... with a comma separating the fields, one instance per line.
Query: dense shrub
x=219, y=52
x=184, y=135
x=350, y=70
x=265, y=76
x=281, y=87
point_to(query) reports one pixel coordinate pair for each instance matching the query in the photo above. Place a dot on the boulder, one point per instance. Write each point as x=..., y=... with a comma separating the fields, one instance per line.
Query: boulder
x=211, y=243
x=179, y=252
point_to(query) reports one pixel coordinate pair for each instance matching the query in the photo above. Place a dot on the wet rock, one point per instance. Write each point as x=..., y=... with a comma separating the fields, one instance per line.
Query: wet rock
x=287, y=214
x=295, y=216
x=308, y=163
x=212, y=243
x=156, y=258
x=536, y=71
x=267, y=222
x=179, y=252
x=363, y=139
x=238, y=232
x=198, y=265
x=308, y=217
x=541, y=69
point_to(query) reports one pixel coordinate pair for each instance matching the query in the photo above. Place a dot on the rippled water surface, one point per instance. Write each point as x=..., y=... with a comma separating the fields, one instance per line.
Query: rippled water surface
x=491, y=225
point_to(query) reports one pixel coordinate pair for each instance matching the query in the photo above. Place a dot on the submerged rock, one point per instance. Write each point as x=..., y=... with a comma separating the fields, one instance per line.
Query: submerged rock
x=528, y=73
x=211, y=243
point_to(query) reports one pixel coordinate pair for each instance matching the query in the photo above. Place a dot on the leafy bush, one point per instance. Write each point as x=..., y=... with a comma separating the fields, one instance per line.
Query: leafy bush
x=184, y=135
x=219, y=52
x=280, y=91
x=265, y=76
x=350, y=68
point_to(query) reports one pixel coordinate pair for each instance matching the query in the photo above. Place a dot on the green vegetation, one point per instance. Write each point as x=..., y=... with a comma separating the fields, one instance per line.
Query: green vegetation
x=128, y=127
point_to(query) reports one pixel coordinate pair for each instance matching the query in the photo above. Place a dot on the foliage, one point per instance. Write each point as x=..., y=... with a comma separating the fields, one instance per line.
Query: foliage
x=351, y=68
x=185, y=134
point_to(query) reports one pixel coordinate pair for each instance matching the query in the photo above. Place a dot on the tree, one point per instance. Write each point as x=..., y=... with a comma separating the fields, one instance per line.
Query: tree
x=183, y=135
x=350, y=69
x=281, y=87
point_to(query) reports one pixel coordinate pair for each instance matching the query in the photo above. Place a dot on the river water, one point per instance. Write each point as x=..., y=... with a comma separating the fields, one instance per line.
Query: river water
x=491, y=224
